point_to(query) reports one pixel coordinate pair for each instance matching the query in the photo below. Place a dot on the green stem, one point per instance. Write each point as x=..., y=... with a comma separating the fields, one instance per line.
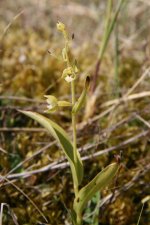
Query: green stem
x=74, y=131
x=76, y=190
x=73, y=115
x=79, y=220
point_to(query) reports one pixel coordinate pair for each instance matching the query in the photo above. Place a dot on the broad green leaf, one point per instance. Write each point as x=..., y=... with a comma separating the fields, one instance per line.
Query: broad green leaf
x=101, y=180
x=62, y=138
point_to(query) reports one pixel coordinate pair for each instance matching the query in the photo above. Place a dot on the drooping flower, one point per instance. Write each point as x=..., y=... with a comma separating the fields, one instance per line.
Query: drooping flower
x=69, y=74
x=53, y=103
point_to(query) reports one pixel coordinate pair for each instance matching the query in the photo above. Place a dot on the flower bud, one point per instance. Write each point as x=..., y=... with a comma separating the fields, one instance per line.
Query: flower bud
x=60, y=26
x=87, y=82
x=64, y=54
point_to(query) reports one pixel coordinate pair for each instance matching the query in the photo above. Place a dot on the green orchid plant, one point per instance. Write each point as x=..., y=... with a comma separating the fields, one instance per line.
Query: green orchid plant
x=103, y=178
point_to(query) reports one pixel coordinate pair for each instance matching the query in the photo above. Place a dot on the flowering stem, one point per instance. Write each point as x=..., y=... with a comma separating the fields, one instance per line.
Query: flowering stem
x=73, y=102
x=74, y=131
x=79, y=220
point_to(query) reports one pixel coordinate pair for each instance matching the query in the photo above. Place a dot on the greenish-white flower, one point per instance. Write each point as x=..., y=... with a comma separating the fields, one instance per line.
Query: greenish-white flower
x=69, y=74
x=53, y=103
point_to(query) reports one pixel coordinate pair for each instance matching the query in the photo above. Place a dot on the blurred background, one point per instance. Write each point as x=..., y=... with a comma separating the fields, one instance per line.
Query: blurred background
x=115, y=121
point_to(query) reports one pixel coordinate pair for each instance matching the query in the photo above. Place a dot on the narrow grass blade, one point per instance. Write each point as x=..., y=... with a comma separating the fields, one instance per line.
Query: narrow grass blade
x=91, y=214
x=109, y=30
x=10, y=211
x=96, y=210
x=24, y=194
x=140, y=215
x=116, y=63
